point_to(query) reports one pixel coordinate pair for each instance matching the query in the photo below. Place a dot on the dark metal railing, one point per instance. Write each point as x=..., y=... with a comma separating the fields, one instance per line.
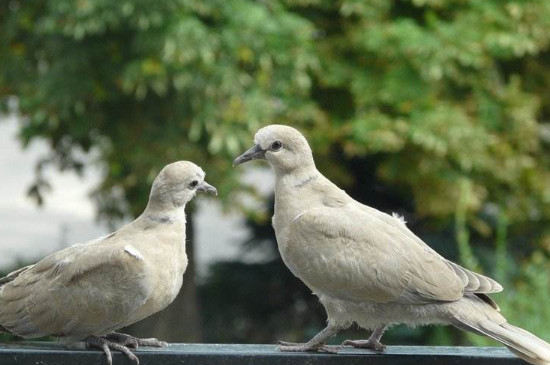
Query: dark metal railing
x=45, y=353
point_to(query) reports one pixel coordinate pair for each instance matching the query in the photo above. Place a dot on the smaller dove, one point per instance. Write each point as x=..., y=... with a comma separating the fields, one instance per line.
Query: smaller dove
x=366, y=266
x=89, y=290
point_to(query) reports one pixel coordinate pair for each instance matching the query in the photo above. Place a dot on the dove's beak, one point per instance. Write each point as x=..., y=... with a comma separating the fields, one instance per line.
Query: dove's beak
x=253, y=153
x=207, y=188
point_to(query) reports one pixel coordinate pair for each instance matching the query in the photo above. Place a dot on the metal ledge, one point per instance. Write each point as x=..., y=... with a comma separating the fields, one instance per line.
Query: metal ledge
x=46, y=353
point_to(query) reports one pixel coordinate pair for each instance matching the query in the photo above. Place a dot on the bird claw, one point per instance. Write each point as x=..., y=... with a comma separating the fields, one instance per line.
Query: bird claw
x=123, y=340
x=366, y=344
x=330, y=349
x=134, y=342
x=304, y=347
x=151, y=342
x=106, y=346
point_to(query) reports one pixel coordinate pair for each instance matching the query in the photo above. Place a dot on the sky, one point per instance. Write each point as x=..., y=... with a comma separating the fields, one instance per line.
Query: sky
x=28, y=232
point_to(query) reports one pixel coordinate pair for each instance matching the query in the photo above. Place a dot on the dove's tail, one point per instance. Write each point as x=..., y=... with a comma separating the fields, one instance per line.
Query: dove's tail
x=477, y=316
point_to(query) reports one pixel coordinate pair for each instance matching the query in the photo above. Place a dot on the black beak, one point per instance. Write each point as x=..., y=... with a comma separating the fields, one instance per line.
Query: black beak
x=253, y=153
x=207, y=188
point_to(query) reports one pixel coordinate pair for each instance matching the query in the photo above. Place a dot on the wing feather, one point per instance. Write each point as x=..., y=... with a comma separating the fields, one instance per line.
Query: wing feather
x=358, y=257
x=476, y=283
x=74, y=291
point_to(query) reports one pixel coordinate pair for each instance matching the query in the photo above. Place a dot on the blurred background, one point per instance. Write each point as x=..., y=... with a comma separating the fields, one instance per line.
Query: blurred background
x=435, y=109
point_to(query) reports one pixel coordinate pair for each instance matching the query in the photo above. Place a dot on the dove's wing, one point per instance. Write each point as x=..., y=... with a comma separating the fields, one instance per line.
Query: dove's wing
x=473, y=282
x=14, y=274
x=75, y=292
x=351, y=253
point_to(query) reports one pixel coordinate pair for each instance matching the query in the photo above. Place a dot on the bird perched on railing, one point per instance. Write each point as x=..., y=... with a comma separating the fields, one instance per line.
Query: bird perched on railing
x=87, y=291
x=366, y=266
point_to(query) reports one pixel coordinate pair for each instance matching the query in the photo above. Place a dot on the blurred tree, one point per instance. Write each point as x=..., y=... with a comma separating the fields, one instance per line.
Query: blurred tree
x=144, y=83
x=437, y=109
x=444, y=101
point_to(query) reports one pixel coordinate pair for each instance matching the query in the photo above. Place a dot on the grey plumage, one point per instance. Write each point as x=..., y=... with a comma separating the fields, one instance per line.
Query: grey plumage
x=366, y=266
x=89, y=290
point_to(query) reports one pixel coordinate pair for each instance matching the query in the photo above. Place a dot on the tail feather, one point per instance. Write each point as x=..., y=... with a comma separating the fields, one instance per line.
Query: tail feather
x=524, y=342
x=541, y=347
x=485, y=320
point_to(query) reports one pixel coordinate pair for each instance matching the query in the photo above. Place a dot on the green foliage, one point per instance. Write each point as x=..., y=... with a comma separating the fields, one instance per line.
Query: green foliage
x=144, y=83
x=436, y=86
x=435, y=108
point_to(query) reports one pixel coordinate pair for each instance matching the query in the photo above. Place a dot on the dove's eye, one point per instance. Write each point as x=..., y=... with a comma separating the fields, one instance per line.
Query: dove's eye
x=193, y=184
x=275, y=146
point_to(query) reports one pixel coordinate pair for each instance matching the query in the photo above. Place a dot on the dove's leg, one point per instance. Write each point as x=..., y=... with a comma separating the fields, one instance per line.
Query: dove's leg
x=317, y=343
x=372, y=343
x=107, y=346
x=134, y=342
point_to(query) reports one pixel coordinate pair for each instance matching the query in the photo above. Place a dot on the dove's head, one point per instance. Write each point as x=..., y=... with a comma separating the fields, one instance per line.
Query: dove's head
x=177, y=183
x=285, y=148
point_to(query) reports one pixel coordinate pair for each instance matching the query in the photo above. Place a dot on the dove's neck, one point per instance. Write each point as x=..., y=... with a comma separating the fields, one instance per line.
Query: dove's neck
x=294, y=194
x=157, y=212
x=296, y=179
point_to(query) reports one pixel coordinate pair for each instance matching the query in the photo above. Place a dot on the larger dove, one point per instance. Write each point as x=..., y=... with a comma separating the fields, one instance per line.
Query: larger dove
x=366, y=266
x=87, y=291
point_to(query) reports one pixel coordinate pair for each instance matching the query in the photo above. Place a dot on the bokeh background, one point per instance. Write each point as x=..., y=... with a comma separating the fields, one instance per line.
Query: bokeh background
x=435, y=109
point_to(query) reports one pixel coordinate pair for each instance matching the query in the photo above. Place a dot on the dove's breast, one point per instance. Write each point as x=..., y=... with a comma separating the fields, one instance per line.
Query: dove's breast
x=167, y=262
x=288, y=247
x=291, y=203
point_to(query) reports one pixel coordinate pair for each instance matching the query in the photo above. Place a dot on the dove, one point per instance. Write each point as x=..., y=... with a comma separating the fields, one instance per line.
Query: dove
x=89, y=290
x=366, y=266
